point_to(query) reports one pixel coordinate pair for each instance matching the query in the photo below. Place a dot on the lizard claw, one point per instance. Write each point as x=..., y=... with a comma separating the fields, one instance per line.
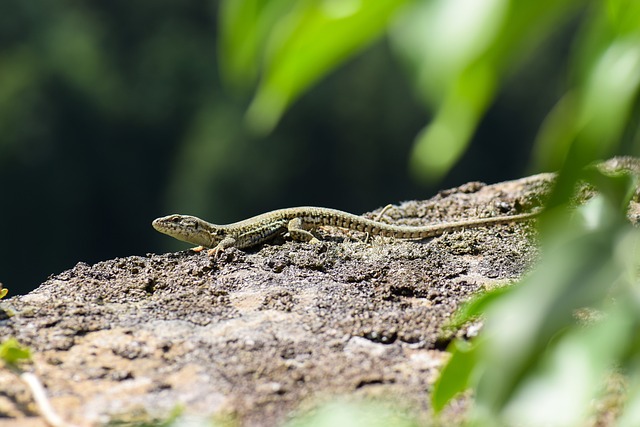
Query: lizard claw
x=217, y=252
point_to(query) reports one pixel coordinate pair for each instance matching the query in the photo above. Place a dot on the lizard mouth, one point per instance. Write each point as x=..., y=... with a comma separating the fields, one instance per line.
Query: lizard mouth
x=169, y=225
x=163, y=225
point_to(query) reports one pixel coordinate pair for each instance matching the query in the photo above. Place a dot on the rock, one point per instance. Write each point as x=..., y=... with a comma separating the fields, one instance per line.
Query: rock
x=259, y=334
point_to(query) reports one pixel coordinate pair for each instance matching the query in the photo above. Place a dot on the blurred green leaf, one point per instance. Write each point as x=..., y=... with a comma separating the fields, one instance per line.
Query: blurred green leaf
x=362, y=414
x=477, y=305
x=307, y=43
x=631, y=415
x=624, y=15
x=572, y=275
x=454, y=377
x=571, y=373
x=537, y=361
x=11, y=352
x=608, y=96
x=556, y=134
x=442, y=39
x=3, y=292
x=443, y=141
x=245, y=26
x=588, y=124
x=458, y=51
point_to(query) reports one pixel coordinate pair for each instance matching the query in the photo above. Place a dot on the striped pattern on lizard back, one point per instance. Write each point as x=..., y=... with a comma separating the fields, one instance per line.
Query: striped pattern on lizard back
x=299, y=221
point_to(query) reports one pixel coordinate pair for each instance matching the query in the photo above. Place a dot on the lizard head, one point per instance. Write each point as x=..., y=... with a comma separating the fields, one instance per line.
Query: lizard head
x=189, y=229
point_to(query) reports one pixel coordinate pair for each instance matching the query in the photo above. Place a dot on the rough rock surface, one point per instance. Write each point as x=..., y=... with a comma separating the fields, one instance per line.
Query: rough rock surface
x=260, y=335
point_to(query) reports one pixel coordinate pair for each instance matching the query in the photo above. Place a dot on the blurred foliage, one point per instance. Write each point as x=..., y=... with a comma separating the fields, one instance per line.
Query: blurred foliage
x=111, y=114
x=550, y=341
x=363, y=414
x=457, y=52
x=535, y=364
x=12, y=352
x=295, y=43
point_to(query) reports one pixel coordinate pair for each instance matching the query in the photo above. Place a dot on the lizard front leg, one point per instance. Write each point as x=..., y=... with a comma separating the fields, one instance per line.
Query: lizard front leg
x=225, y=243
x=296, y=230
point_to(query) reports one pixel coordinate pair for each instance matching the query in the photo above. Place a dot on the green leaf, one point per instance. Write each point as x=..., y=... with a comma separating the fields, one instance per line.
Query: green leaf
x=631, y=415
x=455, y=376
x=624, y=15
x=477, y=305
x=3, y=292
x=572, y=372
x=12, y=352
x=444, y=140
x=590, y=121
x=309, y=42
x=532, y=336
x=245, y=26
x=459, y=51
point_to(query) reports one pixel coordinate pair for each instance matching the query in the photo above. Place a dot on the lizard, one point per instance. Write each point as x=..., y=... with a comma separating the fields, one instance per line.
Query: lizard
x=299, y=222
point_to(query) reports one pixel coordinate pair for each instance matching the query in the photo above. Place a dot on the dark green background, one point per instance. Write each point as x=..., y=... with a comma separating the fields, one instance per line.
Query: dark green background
x=113, y=113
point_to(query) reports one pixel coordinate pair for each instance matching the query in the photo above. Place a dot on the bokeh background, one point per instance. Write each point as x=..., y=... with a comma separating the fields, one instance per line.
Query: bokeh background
x=114, y=113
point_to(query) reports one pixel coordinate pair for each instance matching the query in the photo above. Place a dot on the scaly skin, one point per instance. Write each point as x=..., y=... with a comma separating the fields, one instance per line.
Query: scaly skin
x=298, y=222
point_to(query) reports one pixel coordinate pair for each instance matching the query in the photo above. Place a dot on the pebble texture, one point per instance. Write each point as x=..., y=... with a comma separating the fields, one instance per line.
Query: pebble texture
x=260, y=335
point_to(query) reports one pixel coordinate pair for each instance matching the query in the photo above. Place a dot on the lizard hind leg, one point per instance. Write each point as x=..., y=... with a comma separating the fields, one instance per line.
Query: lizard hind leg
x=378, y=218
x=297, y=231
